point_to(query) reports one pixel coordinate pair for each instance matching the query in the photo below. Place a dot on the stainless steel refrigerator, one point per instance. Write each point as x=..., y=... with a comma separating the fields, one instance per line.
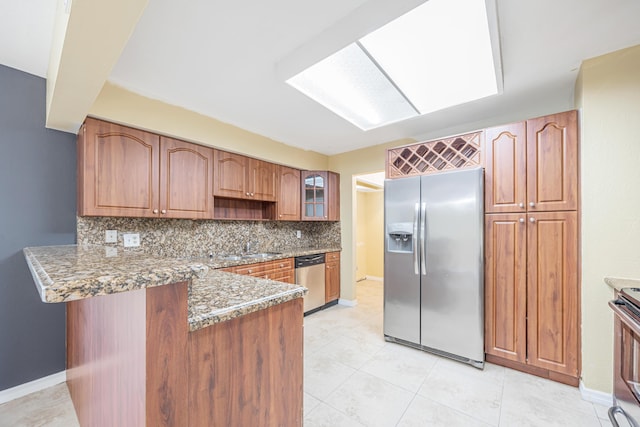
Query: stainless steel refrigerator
x=433, y=264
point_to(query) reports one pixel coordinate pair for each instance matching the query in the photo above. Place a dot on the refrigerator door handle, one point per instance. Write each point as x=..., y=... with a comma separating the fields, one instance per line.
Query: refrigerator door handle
x=416, y=218
x=423, y=226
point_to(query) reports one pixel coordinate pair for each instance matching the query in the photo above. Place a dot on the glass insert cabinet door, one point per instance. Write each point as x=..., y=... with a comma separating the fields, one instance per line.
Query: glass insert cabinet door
x=314, y=197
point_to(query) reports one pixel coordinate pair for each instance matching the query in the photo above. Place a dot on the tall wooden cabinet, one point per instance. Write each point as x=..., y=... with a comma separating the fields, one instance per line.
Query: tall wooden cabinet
x=531, y=238
x=129, y=172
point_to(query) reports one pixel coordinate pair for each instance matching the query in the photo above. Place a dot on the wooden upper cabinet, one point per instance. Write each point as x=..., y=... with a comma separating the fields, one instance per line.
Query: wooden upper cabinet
x=532, y=165
x=186, y=175
x=320, y=196
x=242, y=177
x=230, y=175
x=552, y=291
x=552, y=162
x=288, y=194
x=262, y=180
x=505, y=168
x=118, y=170
x=506, y=286
x=129, y=172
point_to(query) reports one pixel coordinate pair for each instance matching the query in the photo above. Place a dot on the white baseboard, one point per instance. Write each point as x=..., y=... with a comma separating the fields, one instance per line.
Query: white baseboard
x=375, y=278
x=348, y=302
x=595, y=396
x=32, y=386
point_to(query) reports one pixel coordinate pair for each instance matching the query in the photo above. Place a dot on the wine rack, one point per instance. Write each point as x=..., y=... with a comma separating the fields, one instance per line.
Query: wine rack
x=456, y=152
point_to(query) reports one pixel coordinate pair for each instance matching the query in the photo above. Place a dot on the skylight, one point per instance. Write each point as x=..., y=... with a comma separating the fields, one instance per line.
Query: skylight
x=433, y=57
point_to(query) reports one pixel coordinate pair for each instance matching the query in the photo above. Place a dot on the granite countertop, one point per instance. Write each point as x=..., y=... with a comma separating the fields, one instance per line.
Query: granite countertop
x=72, y=272
x=222, y=296
x=618, y=283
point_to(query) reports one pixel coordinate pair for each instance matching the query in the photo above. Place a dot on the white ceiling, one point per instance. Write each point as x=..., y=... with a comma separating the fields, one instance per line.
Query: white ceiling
x=229, y=60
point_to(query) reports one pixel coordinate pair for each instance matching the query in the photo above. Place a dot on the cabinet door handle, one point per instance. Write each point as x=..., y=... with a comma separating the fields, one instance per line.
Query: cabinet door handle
x=521, y=205
x=164, y=211
x=531, y=204
x=532, y=220
x=155, y=211
x=251, y=194
x=521, y=220
x=250, y=271
x=246, y=194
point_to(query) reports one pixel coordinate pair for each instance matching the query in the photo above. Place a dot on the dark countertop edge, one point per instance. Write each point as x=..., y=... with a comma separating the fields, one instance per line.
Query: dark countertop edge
x=239, y=310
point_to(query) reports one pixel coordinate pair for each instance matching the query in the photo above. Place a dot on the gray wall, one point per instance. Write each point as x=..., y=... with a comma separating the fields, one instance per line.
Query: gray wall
x=37, y=207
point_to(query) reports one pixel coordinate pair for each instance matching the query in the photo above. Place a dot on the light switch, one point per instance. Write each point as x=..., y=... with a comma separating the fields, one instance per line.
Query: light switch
x=111, y=236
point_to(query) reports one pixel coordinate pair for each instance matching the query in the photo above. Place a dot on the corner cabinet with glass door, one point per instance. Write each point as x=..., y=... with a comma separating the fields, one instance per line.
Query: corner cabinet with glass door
x=320, y=196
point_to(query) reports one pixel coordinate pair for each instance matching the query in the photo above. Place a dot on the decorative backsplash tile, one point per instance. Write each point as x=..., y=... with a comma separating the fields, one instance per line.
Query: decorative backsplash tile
x=196, y=238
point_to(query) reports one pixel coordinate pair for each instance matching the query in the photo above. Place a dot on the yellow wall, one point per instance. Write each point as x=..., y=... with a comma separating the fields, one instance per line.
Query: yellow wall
x=369, y=234
x=121, y=106
x=374, y=217
x=608, y=94
x=361, y=236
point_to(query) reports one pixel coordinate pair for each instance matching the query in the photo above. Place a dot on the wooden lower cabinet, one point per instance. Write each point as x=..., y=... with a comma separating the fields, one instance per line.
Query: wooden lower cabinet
x=282, y=270
x=332, y=276
x=506, y=286
x=132, y=361
x=531, y=286
x=248, y=371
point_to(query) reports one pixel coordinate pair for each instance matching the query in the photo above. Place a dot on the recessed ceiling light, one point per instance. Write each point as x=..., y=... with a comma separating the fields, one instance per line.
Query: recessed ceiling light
x=433, y=57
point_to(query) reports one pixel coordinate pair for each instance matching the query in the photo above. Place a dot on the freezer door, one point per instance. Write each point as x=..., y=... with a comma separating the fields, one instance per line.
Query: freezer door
x=401, y=268
x=452, y=309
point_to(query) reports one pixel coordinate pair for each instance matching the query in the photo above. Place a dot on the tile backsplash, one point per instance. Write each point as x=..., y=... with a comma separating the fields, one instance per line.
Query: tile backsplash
x=196, y=238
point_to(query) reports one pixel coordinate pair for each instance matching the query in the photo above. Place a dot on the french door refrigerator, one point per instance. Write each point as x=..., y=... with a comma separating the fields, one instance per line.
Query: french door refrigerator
x=433, y=264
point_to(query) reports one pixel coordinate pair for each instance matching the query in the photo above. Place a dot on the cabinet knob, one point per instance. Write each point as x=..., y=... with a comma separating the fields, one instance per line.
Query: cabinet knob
x=532, y=219
x=533, y=205
x=251, y=194
x=163, y=211
x=280, y=215
x=266, y=277
x=521, y=205
x=155, y=211
x=246, y=194
x=250, y=270
x=521, y=220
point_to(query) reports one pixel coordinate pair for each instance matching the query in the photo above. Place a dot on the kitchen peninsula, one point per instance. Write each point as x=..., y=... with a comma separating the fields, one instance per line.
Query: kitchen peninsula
x=161, y=341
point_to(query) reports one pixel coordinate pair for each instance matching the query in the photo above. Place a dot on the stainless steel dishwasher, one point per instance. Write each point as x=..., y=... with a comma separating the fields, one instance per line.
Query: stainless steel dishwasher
x=310, y=274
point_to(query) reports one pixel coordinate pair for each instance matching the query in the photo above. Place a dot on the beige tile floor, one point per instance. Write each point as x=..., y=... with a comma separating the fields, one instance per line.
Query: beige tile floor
x=352, y=377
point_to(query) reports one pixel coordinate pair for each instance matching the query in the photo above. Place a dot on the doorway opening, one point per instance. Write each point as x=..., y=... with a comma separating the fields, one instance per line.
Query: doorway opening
x=369, y=227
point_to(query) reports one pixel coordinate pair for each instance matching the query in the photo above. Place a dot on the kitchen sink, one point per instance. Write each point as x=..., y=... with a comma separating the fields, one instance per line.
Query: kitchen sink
x=262, y=255
x=231, y=257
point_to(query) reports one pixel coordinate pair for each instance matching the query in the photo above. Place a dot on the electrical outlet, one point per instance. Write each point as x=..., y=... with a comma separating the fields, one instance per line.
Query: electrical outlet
x=111, y=236
x=111, y=251
x=131, y=240
x=298, y=234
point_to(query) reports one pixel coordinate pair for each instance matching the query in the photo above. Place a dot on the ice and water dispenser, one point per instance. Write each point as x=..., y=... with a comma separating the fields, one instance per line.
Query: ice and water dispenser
x=400, y=237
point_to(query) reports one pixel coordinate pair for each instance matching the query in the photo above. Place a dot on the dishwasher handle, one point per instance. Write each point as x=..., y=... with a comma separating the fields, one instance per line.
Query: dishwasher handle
x=308, y=260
